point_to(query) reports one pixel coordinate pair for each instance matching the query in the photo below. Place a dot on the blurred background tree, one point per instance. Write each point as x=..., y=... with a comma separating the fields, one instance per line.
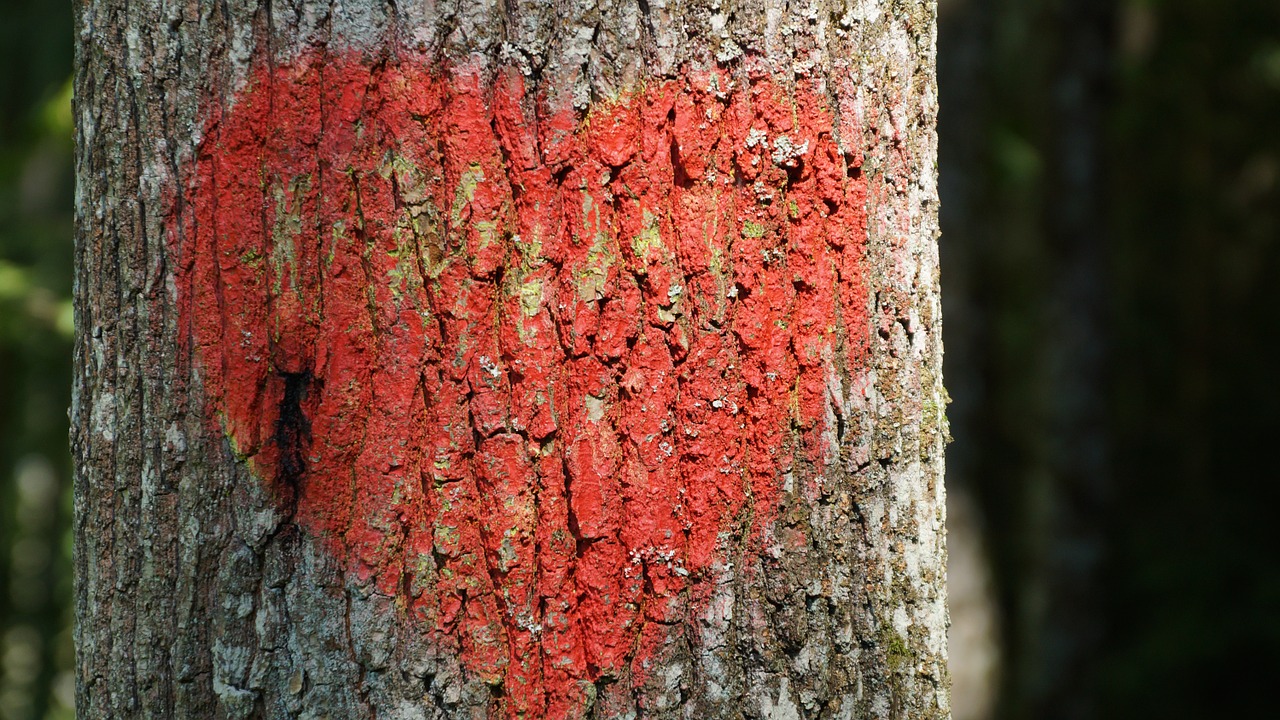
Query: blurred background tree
x=1109, y=215
x=1110, y=210
x=35, y=359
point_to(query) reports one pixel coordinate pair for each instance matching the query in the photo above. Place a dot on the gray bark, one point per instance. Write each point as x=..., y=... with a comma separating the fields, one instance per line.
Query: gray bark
x=195, y=599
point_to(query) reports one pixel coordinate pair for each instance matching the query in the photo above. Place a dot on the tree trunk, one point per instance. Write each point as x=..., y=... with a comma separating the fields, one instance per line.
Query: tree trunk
x=497, y=360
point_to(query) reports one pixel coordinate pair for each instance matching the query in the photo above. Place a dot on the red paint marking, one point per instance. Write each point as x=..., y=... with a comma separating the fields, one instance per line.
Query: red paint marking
x=540, y=362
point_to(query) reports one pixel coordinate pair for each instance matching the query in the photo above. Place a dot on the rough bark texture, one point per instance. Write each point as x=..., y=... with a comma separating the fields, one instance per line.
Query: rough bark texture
x=215, y=576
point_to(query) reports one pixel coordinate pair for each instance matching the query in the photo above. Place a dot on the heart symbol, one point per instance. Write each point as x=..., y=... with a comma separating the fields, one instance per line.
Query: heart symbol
x=528, y=370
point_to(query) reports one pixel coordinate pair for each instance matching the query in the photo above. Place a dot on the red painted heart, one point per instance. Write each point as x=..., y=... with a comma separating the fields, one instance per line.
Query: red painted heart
x=522, y=368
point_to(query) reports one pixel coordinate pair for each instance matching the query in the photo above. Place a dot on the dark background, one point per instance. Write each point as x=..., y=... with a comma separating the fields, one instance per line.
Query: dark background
x=1110, y=297
x=1110, y=212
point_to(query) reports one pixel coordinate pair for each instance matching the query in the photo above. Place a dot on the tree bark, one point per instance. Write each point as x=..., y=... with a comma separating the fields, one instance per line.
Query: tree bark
x=502, y=360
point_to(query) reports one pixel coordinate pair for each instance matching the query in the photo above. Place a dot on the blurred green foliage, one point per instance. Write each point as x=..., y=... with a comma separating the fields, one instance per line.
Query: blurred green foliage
x=1195, y=178
x=36, y=654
